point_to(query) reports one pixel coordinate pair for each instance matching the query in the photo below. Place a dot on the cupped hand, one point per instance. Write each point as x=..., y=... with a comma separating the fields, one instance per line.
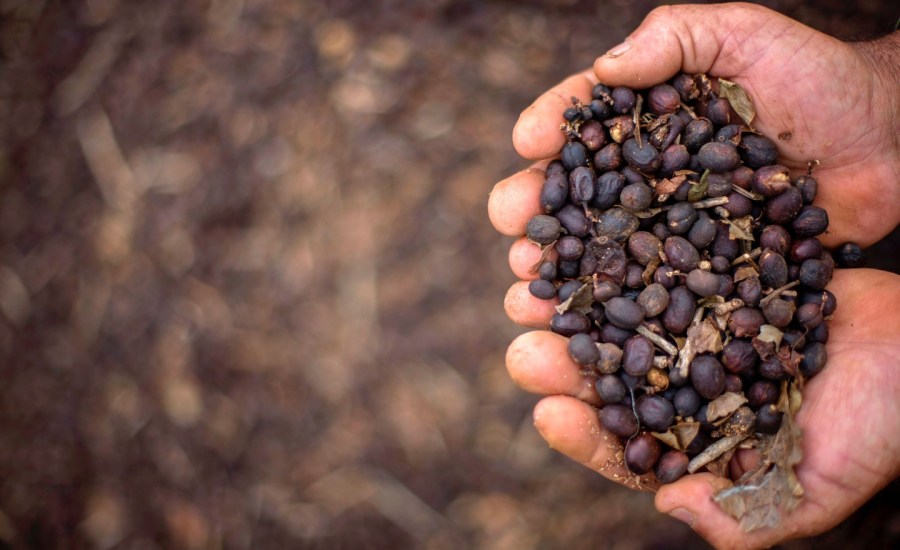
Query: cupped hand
x=827, y=102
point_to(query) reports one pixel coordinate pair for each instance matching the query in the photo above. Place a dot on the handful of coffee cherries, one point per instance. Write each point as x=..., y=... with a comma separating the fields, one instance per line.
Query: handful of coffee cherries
x=690, y=279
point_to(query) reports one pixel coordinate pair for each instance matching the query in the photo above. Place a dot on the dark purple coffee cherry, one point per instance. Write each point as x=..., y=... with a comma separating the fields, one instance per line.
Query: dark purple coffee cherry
x=723, y=245
x=811, y=221
x=805, y=249
x=573, y=155
x=568, y=289
x=623, y=99
x=776, y=238
x=814, y=358
x=681, y=254
x=611, y=334
x=610, y=388
x=644, y=247
x=655, y=412
x=742, y=176
x=808, y=187
x=641, y=453
x=653, y=300
x=768, y=419
x=818, y=334
x=719, y=264
x=750, y=291
x=739, y=356
x=850, y=255
x=543, y=229
x=541, y=289
x=616, y=224
x=593, y=136
x=681, y=217
x=757, y=151
x=814, y=274
x=574, y=221
x=733, y=383
x=672, y=466
x=729, y=134
x=823, y=298
x=762, y=392
x=703, y=232
x=738, y=205
x=600, y=109
x=707, y=376
x=794, y=338
x=583, y=350
x=600, y=91
x=771, y=181
x=697, y=133
x=619, y=420
x=809, y=315
x=568, y=269
x=718, y=185
x=636, y=196
x=673, y=158
x=772, y=369
x=624, y=313
x=608, y=158
x=726, y=286
x=581, y=184
x=570, y=323
x=663, y=99
x=637, y=358
x=554, y=192
x=686, y=87
x=718, y=157
x=719, y=111
x=678, y=315
x=703, y=283
x=587, y=265
x=555, y=167
x=547, y=270
x=778, y=312
x=745, y=322
x=633, y=276
x=773, y=270
x=644, y=157
x=569, y=247
x=609, y=187
x=604, y=290
x=665, y=275
x=686, y=401
x=784, y=208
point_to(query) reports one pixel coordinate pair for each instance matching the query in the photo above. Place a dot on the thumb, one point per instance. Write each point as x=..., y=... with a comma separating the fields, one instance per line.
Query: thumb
x=690, y=500
x=720, y=39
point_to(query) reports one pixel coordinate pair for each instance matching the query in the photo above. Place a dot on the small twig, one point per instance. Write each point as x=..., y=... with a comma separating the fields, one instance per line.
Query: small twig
x=663, y=344
x=775, y=293
x=707, y=203
x=715, y=450
x=749, y=194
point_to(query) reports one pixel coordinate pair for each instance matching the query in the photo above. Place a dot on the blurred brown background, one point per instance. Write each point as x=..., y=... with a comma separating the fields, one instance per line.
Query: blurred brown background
x=249, y=295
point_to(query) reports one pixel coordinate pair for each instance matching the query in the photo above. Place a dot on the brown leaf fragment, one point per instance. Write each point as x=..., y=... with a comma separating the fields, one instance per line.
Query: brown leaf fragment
x=714, y=451
x=762, y=494
x=739, y=99
x=724, y=406
x=745, y=273
x=720, y=466
x=789, y=359
x=679, y=436
x=701, y=337
x=546, y=250
x=581, y=300
x=639, y=103
x=668, y=186
x=767, y=342
x=741, y=228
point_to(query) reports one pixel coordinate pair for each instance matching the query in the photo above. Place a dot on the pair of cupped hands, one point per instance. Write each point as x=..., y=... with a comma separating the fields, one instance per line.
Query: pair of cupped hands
x=832, y=101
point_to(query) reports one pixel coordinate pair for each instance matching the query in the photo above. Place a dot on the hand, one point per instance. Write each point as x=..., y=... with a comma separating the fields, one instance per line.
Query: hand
x=851, y=411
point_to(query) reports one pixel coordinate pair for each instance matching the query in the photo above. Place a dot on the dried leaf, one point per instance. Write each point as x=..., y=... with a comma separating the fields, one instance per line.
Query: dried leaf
x=679, y=436
x=581, y=300
x=724, y=406
x=545, y=252
x=720, y=466
x=711, y=301
x=649, y=213
x=668, y=186
x=770, y=333
x=637, y=119
x=741, y=228
x=789, y=359
x=739, y=99
x=684, y=172
x=705, y=337
x=698, y=190
x=745, y=273
x=760, y=495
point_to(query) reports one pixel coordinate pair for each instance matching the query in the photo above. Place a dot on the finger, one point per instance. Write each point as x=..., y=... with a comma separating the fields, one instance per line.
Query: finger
x=573, y=428
x=523, y=255
x=539, y=362
x=721, y=40
x=525, y=309
x=516, y=200
x=537, y=134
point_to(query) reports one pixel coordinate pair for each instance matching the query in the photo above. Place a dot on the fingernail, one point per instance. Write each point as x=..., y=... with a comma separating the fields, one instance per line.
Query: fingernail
x=620, y=49
x=683, y=514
